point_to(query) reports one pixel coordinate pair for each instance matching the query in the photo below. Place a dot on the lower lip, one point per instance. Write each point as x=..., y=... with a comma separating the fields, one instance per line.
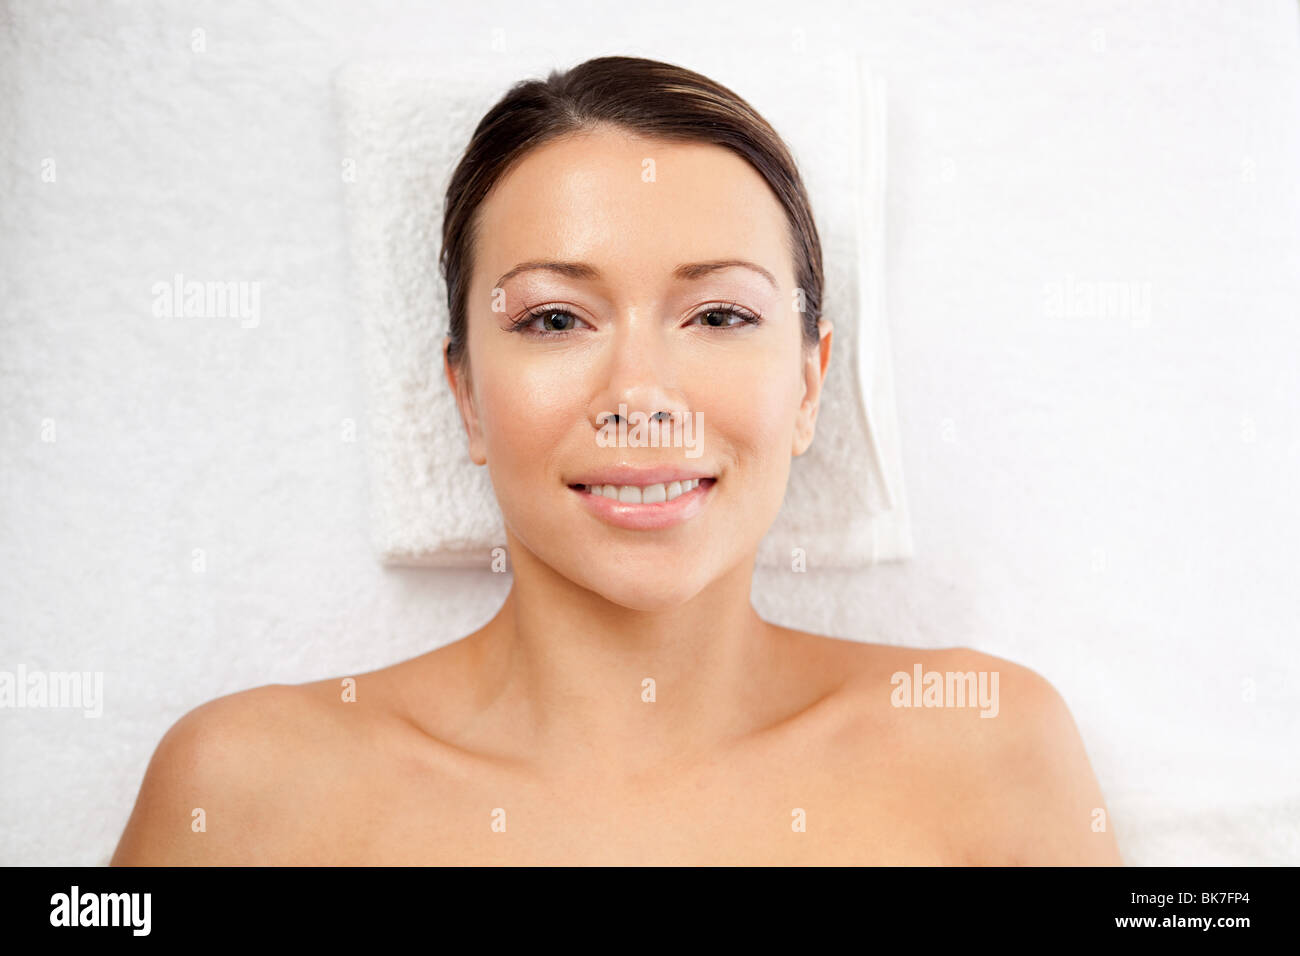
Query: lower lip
x=662, y=514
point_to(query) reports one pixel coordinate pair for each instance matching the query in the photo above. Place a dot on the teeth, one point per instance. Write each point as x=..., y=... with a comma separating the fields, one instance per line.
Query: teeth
x=648, y=495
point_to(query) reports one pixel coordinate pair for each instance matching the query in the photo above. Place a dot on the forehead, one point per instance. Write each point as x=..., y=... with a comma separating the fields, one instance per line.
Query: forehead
x=631, y=205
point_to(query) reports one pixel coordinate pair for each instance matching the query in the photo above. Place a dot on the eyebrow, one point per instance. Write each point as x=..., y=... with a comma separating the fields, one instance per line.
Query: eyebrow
x=687, y=271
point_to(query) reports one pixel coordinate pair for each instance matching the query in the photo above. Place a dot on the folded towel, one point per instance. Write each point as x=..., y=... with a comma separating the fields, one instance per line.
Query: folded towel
x=404, y=127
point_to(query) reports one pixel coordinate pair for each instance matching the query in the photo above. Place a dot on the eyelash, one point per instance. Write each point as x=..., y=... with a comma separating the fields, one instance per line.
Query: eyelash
x=730, y=308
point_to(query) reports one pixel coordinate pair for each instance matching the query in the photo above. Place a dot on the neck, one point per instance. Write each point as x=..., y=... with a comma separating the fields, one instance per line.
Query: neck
x=580, y=680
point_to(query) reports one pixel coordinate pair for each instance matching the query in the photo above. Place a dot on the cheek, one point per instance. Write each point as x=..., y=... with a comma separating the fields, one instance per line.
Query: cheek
x=526, y=411
x=753, y=404
x=749, y=415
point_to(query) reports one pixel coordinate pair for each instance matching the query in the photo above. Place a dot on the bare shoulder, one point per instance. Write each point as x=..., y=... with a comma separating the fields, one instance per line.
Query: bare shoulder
x=1028, y=792
x=994, y=742
x=1038, y=797
x=230, y=782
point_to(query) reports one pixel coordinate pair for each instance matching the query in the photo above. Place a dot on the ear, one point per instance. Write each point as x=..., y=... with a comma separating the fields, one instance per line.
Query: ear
x=816, y=360
x=463, y=391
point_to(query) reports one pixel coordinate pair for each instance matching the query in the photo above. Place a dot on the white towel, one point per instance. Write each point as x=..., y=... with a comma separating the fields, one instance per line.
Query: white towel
x=404, y=126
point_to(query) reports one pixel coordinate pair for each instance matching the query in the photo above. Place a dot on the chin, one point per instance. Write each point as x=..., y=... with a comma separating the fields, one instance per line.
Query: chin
x=658, y=590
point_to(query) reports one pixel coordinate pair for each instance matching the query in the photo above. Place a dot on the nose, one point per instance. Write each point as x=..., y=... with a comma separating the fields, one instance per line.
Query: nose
x=641, y=376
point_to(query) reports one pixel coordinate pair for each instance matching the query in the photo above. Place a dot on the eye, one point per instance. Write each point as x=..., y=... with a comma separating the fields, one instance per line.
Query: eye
x=556, y=322
x=720, y=315
x=550, y=317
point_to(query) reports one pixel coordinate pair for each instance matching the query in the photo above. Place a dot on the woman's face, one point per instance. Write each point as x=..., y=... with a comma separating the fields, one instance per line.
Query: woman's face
x=627, y=324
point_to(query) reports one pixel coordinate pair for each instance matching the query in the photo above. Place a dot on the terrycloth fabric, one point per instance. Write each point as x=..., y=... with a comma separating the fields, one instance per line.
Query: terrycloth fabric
x=1049, y=456
x=405, y=125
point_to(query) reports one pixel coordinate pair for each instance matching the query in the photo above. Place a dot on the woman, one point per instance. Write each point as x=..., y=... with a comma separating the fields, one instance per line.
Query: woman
x=627, y=243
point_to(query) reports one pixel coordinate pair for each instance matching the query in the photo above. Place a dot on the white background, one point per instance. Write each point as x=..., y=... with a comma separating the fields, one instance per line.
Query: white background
x=1109, y=499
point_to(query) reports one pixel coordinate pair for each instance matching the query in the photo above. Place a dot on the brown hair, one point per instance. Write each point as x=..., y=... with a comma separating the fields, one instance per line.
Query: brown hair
x=648, y=97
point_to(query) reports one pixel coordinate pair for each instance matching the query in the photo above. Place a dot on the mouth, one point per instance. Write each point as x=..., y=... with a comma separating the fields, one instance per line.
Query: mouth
x=646, y=507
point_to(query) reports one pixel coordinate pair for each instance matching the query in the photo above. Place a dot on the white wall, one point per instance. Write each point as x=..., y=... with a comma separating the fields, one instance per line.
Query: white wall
x=1106, y=498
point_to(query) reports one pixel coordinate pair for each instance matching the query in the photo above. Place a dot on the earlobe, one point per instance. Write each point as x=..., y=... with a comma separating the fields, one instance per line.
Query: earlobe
x=465, y=405
x=805, y=425
x=460, y=393
x=801, y=441
x=805, y=428
x=814, y=378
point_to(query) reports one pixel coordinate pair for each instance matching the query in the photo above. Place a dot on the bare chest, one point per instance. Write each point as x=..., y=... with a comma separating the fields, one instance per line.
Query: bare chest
x=743, y=813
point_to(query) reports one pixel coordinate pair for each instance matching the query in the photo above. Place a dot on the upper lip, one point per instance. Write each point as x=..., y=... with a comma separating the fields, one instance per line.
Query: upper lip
x=626, y=475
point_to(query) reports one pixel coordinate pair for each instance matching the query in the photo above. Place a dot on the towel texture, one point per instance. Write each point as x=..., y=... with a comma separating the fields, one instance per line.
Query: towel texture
x=404, y=127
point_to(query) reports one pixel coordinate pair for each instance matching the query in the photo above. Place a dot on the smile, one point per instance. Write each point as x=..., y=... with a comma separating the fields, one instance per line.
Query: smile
x=644, y=494
x=646, y=507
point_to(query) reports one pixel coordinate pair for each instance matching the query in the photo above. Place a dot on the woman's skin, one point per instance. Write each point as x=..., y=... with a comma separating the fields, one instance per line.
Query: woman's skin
x=532, y=740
